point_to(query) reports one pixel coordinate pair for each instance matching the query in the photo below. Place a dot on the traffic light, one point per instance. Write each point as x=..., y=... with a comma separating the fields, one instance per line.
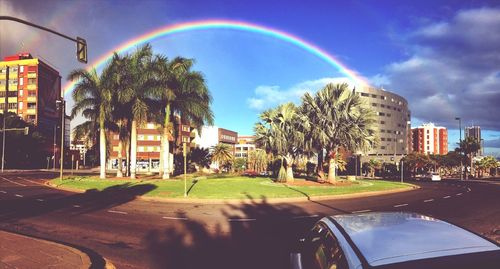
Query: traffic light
x=26, y=130
x=81, y=50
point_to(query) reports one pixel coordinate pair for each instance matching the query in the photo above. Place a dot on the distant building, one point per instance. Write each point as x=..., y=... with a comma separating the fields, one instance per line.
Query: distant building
x=81, y=147
x=392, y=123
x=475, y=132
x=430, y=139
x=34, y=86
x=149, y=145
x=246, y=144
x=213, y=135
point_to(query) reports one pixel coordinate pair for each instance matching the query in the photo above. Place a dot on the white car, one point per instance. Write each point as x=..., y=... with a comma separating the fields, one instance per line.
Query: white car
x=435, y=177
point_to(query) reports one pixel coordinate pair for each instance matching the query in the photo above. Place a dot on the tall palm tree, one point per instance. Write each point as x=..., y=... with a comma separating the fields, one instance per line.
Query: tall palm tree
x=92, y=96
x=181, y=92
x=280, y=131
x=222, y=154
x=338, y=118
x=136, y=94
x=469, y=146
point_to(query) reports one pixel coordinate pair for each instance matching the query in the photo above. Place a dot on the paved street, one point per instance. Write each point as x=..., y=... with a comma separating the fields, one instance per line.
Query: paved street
x=142, y=234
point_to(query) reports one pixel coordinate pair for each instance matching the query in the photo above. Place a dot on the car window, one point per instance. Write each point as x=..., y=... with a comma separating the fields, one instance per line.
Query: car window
x=322, y=250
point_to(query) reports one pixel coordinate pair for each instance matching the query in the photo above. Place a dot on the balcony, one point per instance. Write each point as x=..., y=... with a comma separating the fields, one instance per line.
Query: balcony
x=32, y=99
x=31, y=87
x=31, y=111
x=31, y=75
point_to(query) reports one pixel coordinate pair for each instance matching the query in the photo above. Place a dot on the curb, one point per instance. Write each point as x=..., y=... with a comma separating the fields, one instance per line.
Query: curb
x=188, y=200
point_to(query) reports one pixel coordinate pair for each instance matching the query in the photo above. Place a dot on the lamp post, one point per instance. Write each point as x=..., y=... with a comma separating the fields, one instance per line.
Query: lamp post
x=5, y=110
x=460, y=130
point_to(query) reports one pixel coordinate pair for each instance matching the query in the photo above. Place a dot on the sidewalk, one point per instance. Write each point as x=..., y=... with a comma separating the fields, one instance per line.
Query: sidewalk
x=18, y=251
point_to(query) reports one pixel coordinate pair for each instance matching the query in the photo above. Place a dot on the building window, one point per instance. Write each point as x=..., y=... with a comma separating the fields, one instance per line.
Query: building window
x=31, y=81
x=382, y=139
x=21, y=69
x=388, y=114
x=185, y=139
x=382, y=130
x=382, y=147
x=140, y=137
x=381, y=114
x=364, y=94
x=12, y=105
x=31, y=105
x=185, y=128
x=21, y=81
x=374, y=95
x=382, y=97
x=151, y=137
x=382, y=122
x=374, y=104
x=20, y=105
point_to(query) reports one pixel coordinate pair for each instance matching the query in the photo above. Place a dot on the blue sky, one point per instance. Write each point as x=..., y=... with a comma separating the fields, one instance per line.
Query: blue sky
x=443, y=57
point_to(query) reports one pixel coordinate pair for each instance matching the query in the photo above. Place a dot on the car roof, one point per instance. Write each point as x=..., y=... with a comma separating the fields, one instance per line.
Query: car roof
x=392, y=237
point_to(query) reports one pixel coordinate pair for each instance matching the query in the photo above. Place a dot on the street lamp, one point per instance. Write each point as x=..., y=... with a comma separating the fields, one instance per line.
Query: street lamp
x=460, y=129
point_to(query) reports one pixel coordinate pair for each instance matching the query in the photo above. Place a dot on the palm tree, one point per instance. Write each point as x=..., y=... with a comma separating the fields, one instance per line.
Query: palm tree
x=280, y=132
x=222, y=154
x=181, y=92
x=469, y=146
x=137, y=94
x=257, y=160
x=92, y=96
x=338, y=118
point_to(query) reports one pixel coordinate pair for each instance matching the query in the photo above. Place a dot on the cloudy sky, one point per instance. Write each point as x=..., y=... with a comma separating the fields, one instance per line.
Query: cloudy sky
x=443, y=57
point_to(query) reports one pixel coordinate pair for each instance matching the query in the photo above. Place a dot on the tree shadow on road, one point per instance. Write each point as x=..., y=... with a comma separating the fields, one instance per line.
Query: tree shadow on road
x=75, y=204
x=252, y=235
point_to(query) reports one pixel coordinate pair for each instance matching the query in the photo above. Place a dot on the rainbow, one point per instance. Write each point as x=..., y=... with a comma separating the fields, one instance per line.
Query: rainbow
x=225, y=24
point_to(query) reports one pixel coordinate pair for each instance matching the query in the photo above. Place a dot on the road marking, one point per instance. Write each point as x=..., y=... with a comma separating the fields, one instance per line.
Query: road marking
x=446, y=197
x=77, y=206
x=40, y=200
x=458, y=194
x=117, y=212
x=3, y=191
x=174, y=218
x=468, y=189
x=401, y=205
x=18, y=195
x=428, y=200
x=303, y=217
x=237, y=220
x=20, y=184
x=361, y=211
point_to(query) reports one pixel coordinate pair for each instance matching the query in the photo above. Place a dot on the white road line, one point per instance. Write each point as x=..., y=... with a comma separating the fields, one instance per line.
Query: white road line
x=174, y=218
x=303, y=217
x=18, y=195
x=238, y=220
x=400, y=205
x=77, y=206
x=428, y=200
x=468, y=189
x=117, y=212
x=20, y=184
x=40, y=200
x=361, y=211
x=446, y=197
x=458, y=194
x=3, y=191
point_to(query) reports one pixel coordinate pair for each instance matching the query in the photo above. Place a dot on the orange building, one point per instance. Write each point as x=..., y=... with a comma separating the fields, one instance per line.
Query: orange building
x=430, y=139
x=34, y=87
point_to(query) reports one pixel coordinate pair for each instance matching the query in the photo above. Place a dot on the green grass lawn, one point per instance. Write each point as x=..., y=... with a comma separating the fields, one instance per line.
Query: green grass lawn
x=239, y=187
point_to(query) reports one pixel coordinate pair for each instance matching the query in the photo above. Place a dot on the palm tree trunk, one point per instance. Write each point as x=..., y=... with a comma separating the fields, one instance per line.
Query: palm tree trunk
x=127, y=166
x=133, y=149
x=332, y=165
x=160, y=167
x=319, y=169
x=166, y=146
x=119, y=172
x=289, y=169
x=102, y=149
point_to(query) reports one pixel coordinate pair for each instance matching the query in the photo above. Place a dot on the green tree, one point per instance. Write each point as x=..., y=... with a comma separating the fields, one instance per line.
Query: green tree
x=200, y=157
x=372, y=166
x=222, y=155
x=338, y=118
x=182, y=92
x=469, y=146
x=258, y=160
x=92, y=95
x=280, y=132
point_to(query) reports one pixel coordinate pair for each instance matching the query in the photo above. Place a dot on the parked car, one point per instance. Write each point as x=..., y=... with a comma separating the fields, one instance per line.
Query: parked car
x=392, y=240
x=433, y=176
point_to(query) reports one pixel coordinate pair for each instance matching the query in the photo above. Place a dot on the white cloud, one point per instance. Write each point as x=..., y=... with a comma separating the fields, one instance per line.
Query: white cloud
x=453, y=70
x=270, y=96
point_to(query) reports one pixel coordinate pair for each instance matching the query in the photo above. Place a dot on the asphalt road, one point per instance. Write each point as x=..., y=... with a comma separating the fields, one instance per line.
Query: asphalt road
x=143, y=234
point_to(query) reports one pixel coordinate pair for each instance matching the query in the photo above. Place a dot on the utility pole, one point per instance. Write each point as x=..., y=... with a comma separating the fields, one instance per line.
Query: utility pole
x=5, y=110
x=184, y=149
x=54, y=149
x=402, y=169
x=63, y=119
x=461, y=162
